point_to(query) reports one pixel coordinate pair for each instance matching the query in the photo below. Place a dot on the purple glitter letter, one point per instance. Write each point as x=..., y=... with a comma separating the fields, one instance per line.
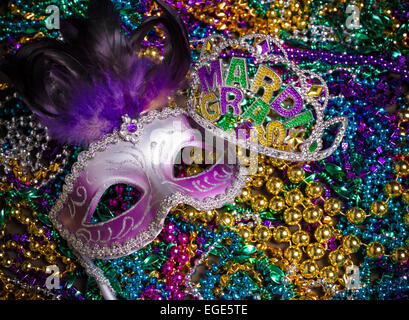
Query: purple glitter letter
x=225, y=103
x=207, y=76
x=297, y=106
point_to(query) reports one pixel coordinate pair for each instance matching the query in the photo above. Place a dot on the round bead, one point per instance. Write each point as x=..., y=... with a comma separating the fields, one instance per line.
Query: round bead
x=26, y=266
x=262, y=246
x=379, y=208
x=314, y=190
x=400, y=255
x=51, y=258
x=262, y=233
x=393, y=189
x=6, y=262
x=226, y=220
x=260, y=170
x=268, y=171
x=309, y=269
x=328, y=220
x=375, y=249
x=277, y=204
x=191, y=213
x=356, y=215
x=245, y=195
x=332, y=206
x=312, y=214
x=323, y=233
x=259, y=202
x=293, y=254
x=329, y=274
x=278, y=163
x=281, y=234
x=34, y=246
x=245, y=233
x=292, y=216
x=402, y=132
x=337, y=258
x=209, y=215
x=350, y=244
x=402, y=168
x=258, y=182
x=293, y=197
x=28, y=254
x=296, y=174
x=274, y=185
x=300, y=238
x=315, y=250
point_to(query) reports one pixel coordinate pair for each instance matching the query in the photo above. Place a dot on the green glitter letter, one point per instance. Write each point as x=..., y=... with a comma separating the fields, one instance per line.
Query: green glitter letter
x=241, y=77
x=260, y=115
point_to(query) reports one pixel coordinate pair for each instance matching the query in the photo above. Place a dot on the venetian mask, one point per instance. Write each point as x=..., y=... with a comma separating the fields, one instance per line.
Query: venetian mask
x=141, y=154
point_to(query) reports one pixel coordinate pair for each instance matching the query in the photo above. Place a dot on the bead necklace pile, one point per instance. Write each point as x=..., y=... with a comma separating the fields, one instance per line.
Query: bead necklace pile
x=27, y=255
x=297, y=227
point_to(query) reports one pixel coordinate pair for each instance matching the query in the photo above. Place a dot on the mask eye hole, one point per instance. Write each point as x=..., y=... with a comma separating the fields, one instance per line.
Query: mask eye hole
x=191, y=161
x=117, y=199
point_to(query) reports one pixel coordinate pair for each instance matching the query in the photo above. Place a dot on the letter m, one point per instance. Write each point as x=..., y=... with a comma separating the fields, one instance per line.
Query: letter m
x=208, y=76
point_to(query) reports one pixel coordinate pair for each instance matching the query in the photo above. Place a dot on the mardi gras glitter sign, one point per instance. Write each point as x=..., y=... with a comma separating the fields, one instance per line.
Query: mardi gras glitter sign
x=260, y=89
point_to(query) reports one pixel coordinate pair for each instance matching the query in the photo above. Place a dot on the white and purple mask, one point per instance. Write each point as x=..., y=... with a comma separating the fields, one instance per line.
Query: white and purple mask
x=142, y=154
x=80, y=89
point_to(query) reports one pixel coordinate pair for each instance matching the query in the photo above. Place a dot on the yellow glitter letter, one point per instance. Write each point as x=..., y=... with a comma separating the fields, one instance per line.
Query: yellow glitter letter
x=275, y=134
x=208, y=100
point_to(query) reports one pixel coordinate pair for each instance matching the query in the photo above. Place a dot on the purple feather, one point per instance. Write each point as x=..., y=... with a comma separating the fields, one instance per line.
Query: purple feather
x=96, y=109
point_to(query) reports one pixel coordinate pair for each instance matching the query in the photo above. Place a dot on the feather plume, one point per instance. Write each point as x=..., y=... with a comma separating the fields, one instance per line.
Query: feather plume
x=80, y=87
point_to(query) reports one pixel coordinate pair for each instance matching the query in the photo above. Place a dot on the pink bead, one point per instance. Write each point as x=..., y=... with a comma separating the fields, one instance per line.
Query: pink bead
x=168, y=237
x=183, y=258
x=177, y=277
x=119, y=189
x=182, y=238
x=167, y=268
x=174, y=251
x=169, y=227
x=113, y=202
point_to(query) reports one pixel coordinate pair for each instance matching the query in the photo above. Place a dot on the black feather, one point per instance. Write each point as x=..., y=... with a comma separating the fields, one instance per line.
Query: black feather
x=56, y=78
